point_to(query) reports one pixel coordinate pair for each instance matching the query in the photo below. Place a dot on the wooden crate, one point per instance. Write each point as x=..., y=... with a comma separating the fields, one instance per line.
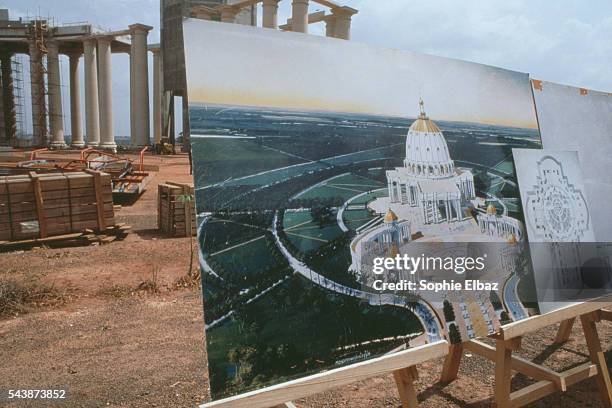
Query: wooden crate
x=176, y=217
x=43, y=205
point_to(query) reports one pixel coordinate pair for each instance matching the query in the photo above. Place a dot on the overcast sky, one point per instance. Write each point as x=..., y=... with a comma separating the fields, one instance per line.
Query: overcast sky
x=566, y=41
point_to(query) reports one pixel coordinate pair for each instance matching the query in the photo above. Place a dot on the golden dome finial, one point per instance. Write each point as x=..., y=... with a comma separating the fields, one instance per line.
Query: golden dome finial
x=491, y=209
x=390, y=217
x=422, y=113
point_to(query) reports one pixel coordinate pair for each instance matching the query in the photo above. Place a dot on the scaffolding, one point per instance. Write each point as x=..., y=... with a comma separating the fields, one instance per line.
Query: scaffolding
x=18, y=96
x=38, y=68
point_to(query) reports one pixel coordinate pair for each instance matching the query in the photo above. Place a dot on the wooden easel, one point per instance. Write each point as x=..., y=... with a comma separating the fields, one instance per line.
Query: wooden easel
x=548, y=381
x=402, y=364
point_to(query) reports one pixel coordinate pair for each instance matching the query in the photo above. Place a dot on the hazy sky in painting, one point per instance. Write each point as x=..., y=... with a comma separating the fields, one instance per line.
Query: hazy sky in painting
x=565, y=41
x=316, y=73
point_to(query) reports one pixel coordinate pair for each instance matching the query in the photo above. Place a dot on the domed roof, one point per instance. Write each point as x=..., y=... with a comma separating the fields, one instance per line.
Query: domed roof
x=491, y=209
x=426, y=146
x=390, y=217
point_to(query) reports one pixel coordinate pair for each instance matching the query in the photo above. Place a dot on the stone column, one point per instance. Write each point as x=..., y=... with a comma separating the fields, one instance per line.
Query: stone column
x=299, y=16
x=270, y=13
x=37, y=80
x=139, y=86
x=157, y=96
x=76, y=121
x=228, y=14
x=105, y=95
x=343, y=16
x=92, y=111
x=330, y=26
x=56, y=116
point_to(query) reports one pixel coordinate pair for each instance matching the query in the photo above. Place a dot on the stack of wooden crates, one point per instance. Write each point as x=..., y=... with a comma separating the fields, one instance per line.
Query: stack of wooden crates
x=176, y=215
x=49, y=204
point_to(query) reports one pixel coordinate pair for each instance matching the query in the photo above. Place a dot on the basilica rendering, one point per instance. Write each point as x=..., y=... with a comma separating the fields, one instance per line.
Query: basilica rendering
x=429, y=199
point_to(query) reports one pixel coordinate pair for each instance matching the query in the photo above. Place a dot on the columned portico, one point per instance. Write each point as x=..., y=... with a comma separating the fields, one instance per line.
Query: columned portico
x=139, y=86
x=299, y=16
x=92, y=112
x=55, y=96
x=76, y=121
x=105, y=81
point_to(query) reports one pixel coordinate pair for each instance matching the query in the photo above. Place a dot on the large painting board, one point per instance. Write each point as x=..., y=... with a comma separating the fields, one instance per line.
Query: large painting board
x=315, y=156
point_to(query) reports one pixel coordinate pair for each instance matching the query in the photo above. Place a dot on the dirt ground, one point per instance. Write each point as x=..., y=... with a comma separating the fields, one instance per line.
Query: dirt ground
x=111, y=344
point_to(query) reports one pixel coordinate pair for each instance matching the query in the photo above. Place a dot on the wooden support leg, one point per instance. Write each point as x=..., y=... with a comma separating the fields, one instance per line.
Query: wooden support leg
x=503, y=361
x=565, y=330
x=597, y=358
x=451, y=363
x=404, y=379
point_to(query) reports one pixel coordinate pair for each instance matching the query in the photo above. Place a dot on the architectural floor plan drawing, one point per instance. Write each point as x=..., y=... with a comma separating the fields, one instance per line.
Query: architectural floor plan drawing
x=558, y=224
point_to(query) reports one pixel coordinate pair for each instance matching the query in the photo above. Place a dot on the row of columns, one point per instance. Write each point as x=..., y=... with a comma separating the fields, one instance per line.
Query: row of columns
x=338, y=23
x=99, y=126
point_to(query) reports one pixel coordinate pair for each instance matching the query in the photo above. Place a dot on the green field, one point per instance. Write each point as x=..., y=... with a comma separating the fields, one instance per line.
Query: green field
x=345, y=186
x=313, y=322
x=233, y=158
x=306, y=234
x=354, y=219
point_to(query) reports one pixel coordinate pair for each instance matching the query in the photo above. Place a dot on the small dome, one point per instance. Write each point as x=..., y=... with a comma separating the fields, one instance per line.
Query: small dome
x=491, y=209
x=512, y=239
x=390, y=217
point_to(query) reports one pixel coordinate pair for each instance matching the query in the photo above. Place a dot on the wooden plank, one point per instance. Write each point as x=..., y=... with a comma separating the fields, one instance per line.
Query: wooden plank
x=404, y=379
x=40, y=210
x=533, y=323
x=503, y=361
x=565, y=330
x=605, y=314
x=524, y=366
x=99, y=200
x=450, y=369
x=598, y=358
x=292, y=390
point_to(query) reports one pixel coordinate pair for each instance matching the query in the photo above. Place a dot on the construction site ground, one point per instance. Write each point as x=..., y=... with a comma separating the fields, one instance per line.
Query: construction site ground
x=111, y=341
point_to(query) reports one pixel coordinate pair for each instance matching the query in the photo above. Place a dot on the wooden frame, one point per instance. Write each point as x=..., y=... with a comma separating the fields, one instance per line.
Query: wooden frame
x=402, y=364
x=548, y=381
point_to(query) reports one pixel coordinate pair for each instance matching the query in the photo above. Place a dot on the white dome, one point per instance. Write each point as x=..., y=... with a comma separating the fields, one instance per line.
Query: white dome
x=427, y=154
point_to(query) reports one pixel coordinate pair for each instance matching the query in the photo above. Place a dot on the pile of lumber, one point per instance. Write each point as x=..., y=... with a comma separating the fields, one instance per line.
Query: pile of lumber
x=87, y=237
x=38, y=206
x=176, y=215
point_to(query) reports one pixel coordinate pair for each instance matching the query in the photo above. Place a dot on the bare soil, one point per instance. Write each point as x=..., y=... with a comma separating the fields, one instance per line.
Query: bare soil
x=111, y=344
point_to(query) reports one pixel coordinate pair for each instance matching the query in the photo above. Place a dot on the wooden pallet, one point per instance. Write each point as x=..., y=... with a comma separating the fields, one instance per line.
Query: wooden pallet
x=44, y=205
x=176, y=217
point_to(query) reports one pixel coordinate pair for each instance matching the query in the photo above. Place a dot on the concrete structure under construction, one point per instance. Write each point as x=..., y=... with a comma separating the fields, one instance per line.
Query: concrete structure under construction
x=43, y=43
x=337, y=25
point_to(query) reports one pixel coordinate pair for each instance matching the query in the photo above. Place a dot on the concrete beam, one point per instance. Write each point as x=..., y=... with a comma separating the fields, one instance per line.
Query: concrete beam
x=313, y=18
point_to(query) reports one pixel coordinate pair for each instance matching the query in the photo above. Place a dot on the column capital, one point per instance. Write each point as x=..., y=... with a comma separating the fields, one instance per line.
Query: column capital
x=301, y=2
x=271, y=2
x=135, y=28
x=344, y=11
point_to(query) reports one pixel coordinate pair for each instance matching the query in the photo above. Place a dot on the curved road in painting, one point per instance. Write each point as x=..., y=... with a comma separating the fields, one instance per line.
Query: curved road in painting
x=422, y=311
